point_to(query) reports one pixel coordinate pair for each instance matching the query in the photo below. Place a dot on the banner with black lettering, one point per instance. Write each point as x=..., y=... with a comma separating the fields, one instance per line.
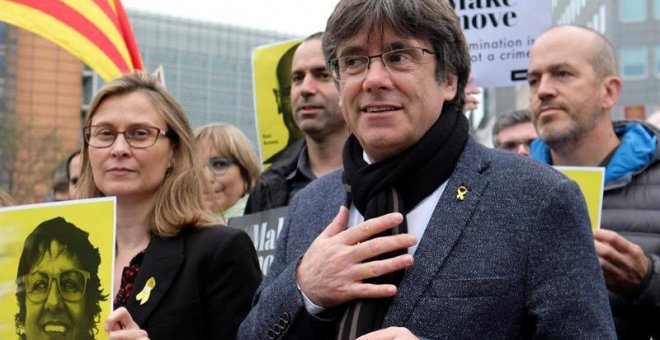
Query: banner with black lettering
x=264, y=228
x=500, y=34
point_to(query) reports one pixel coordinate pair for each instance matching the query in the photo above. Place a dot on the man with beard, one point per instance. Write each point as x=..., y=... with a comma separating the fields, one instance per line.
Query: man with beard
x=58, y=287
x=574, y=85
x=316, y=112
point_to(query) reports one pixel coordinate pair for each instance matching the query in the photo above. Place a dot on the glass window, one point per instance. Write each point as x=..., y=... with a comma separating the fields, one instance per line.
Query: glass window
x=632, y=10
x=657, y=61
x=634, y=64
x=656, y=9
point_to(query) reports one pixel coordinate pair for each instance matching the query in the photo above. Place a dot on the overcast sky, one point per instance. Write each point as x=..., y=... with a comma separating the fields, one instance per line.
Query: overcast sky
x=300, y=17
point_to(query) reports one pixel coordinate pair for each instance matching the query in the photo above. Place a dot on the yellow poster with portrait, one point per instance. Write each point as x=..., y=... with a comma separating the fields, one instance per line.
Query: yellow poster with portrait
x=56, y=267
x=591, y=181
x=271, y=69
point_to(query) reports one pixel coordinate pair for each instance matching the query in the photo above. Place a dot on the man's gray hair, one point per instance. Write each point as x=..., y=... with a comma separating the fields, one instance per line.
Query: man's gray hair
x=428, y=20
x=510, y=118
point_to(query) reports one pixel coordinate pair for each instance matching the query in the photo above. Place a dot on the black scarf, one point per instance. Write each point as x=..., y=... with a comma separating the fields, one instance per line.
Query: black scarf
x=398, y=184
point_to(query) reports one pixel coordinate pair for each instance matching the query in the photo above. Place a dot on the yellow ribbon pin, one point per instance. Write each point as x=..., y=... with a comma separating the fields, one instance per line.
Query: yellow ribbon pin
x=143, y=296
x=461, y=192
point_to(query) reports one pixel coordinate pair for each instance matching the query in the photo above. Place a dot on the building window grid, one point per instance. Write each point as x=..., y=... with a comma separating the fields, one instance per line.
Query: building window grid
x=227, y=74
x=634, y=62
x=656, y=60
x=603, y=19
x=632, y=11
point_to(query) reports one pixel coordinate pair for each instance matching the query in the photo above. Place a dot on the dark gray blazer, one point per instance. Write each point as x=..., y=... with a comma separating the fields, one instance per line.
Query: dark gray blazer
x=515, y=259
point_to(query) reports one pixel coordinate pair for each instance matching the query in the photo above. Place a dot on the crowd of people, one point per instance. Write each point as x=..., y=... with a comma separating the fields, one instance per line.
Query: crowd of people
x=400, y=225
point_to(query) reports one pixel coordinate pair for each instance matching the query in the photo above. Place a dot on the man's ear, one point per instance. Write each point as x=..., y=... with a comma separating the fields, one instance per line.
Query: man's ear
x=611, y=88
x=449, y=87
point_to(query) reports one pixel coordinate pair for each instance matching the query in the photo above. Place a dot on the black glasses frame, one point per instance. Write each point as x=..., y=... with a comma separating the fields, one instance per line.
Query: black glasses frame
x=88, y=136
x=41, y=297
x=336, y=73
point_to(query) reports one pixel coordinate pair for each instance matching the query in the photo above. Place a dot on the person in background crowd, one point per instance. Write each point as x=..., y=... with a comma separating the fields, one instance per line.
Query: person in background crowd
x=232, y=167
x=514, y=131
x=73, y=171
x=60, y=188
x=316, y=112
x=176, y=276
x=58, y=286
x=471, y=101
x=5, y=199
x=574, y=85
x=493, y=245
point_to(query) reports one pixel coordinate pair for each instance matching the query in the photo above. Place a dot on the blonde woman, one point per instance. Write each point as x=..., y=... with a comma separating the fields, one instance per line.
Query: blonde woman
x=231, y=164
x=176, y=276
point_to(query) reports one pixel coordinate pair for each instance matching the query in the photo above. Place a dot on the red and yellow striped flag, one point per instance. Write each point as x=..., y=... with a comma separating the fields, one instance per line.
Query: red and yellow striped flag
x=95, y=31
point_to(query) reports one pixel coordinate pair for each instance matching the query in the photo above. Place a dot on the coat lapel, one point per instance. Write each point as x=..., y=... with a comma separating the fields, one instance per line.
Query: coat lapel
x=161, y=262
x=449, y=219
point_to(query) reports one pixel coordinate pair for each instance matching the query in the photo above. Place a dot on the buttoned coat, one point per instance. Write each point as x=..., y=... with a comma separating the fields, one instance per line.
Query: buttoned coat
x=514, y=259
x=205, y=279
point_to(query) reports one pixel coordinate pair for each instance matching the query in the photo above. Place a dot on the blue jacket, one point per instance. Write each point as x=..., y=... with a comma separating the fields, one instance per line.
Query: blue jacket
x=636, y=151
x=631, y=207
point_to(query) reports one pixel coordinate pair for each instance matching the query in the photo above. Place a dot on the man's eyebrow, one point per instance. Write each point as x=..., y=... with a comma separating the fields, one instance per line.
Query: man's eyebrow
x=399, y=45
x=319, y=69
x=351, y=50
x=359, y=50
x=551, y=68
x=556, y=67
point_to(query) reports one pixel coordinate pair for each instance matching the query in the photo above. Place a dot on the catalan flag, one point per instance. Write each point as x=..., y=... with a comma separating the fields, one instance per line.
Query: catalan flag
x=95, y=31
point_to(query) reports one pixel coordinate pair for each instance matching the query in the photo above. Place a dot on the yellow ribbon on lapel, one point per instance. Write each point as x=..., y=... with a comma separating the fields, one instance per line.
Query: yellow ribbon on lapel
x=461, y=192
x=143, y=296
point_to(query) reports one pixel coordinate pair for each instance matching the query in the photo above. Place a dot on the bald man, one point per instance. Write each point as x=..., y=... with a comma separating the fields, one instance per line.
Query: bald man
x=574, y=85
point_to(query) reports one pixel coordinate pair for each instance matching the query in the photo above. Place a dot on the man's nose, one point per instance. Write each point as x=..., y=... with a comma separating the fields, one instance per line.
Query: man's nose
x=376, y=75
x=308, y=86
x=546, y=88
x=522, y=149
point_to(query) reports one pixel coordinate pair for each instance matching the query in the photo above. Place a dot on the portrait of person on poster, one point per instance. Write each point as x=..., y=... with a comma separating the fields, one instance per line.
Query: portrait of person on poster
x=283, y=99
x=58, y=289
x=56, y=269
x=276, y=127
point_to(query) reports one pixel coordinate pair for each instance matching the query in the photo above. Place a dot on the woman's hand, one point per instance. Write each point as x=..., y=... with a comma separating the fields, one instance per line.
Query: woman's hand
x=120, y=326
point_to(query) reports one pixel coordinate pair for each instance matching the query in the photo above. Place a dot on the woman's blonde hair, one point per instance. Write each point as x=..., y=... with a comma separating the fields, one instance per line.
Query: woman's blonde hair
x=179, y=201
x=229, y=141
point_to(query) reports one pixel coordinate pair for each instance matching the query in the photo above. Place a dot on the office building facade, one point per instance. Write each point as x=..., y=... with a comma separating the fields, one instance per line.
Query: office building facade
x=44, y=91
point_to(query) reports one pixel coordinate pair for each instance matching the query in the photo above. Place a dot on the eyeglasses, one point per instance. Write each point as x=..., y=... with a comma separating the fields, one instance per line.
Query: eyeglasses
x=219, y=165
x=141, y=137
x=70, y=283
x=354, y=67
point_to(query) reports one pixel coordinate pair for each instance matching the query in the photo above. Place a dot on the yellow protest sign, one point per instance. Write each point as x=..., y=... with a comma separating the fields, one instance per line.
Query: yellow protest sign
x=56, y=266
x=591, y=181
x=272, y=86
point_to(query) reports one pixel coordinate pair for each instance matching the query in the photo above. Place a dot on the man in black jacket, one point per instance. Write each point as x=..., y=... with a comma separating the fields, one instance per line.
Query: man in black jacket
x=316, y=111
